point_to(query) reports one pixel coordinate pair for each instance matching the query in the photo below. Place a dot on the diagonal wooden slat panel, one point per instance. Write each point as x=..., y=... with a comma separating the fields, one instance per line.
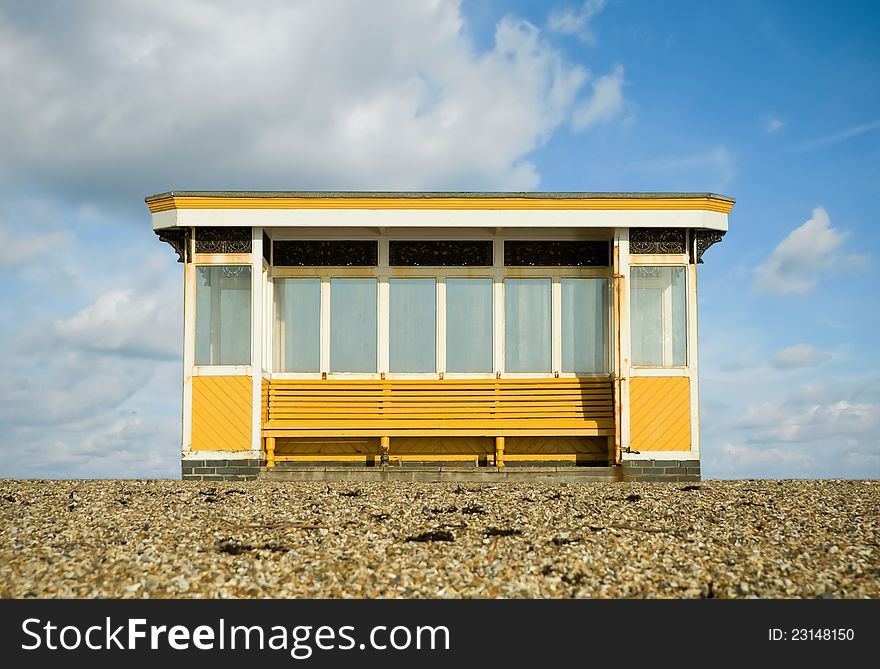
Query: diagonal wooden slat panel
x=221, y=413
x=660, y=414
x=555, y=446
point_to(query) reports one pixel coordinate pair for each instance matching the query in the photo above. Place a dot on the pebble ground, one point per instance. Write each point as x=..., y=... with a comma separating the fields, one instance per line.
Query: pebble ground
x=133, y=539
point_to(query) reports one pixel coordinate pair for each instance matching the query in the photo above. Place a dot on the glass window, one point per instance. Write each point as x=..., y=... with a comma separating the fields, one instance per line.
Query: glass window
x=527, y=325
x=413, y=325
x=298, y=325
x=658, y=314
x=469, y=325
x=352, y=325
x=584, y=325
x=223, y=315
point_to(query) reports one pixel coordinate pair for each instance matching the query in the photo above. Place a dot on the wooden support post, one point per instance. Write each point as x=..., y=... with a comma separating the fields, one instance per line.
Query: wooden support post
x=384, y=445
x=270, y=451
x=499, y=451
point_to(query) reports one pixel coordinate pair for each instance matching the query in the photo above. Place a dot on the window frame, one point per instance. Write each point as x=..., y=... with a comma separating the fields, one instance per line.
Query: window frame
x=665, y=260
x=210, y=261
x=383, y=273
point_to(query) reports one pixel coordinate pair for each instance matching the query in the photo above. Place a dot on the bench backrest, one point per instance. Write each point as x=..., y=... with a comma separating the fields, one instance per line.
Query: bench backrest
x=576, y=403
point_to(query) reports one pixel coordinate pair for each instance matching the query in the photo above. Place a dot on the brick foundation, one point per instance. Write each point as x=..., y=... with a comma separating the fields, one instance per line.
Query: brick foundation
x=220, y=470
x=661, y=470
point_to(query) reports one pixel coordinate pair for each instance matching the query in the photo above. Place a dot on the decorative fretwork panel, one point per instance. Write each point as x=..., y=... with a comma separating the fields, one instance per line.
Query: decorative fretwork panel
x=326, y=253
x=440, y=253
x=223, y=240
x=556, y=253
x=657, y=240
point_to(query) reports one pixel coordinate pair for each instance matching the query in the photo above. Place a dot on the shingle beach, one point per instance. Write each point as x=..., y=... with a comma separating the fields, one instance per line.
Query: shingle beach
x=132, y=539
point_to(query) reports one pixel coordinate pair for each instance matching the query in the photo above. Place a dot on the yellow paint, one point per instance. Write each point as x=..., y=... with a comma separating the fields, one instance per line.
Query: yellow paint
x=554, y=447
x=660, y=417
x=439, y=203
x=270, y=451
x=441, y=447
x=221, y=413
x=448, y=408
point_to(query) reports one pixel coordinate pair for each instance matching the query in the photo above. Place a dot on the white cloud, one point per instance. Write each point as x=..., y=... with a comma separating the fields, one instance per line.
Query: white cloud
x=760, y=425
x=606, y=103
x=799, y=260
x=837, y=137
x=123, y=99
x=92, y=373
x=21, y=245
x=128, y=323
x=17, y=249
x=773, y=125
x=576, y=20
x=799, y=355
x=800, y=422
x=734, y=461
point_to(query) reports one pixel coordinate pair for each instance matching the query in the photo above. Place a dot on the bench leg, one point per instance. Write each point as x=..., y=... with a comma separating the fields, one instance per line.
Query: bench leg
x=499, y=451
x=384, y=446
x=270, y=451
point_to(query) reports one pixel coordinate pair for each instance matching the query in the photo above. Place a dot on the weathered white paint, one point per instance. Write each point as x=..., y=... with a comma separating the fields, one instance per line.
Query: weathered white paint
x=444, y=218
x=189, y=346
x=693, y=366
x=556, y=324
x=623, y=367
x=662, y=455
x=257, y=337
x=220, y=455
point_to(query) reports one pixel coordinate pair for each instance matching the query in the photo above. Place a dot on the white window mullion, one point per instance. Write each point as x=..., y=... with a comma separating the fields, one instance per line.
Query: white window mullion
x=325, y=324
x=383, y=314
x=441, y=324
x=556, y=325
x=497, y=306
x=497, y=324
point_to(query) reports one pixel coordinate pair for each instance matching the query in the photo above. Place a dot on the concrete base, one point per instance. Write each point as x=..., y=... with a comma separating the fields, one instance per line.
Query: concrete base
x=673, y=471
x=429, y=474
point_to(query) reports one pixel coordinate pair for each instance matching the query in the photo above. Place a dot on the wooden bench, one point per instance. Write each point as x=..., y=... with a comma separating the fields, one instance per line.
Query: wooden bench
x=428, y=408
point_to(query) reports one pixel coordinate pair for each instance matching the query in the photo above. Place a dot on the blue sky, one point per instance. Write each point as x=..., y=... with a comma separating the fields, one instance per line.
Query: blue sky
x=776, y=104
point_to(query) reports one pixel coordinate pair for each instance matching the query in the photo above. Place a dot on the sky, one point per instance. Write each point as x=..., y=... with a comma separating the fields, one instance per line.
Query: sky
x=774, y=103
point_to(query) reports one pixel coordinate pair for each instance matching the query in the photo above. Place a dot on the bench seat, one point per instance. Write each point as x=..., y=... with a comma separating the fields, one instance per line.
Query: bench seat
x=545, y=407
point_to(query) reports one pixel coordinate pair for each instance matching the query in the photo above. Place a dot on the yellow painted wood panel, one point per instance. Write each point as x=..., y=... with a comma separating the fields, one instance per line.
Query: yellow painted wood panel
x=440, y=408
x=327, y=446
x=707, y=203
x=221, y=413
x=442, y=446
x=553, y=446
x=284, y=430
x=660, y=416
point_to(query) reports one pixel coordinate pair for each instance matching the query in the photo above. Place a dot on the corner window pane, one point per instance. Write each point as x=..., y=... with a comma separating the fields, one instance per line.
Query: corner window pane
x=413, y=325
x=223, y=315
x=584, y=325
x=658, y=314
x=352, y=325
x=298, y=325
x=527, y=325
x=469, y=325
